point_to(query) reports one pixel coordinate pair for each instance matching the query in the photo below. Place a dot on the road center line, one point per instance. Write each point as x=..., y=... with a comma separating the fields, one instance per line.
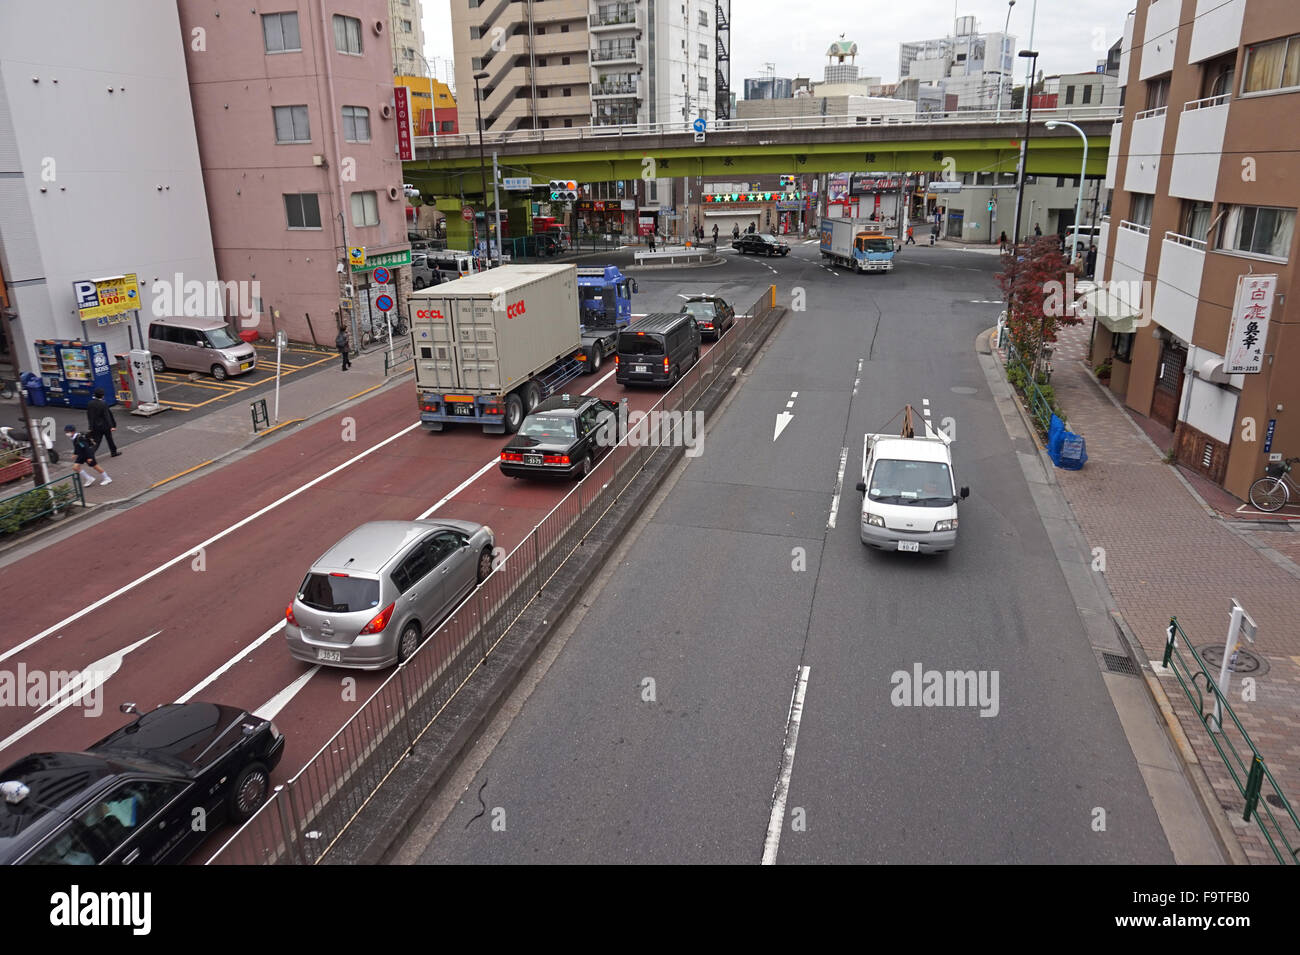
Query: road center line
x=212, y=677
x=839, y=486
x=776, y=821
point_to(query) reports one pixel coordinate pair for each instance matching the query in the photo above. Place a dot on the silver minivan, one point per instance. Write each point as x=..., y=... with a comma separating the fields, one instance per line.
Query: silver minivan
x=369, y=600
x=199, y=344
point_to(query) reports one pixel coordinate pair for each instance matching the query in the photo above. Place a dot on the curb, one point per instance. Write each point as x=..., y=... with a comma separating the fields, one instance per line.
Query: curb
x=406, y=794
x=712, y=262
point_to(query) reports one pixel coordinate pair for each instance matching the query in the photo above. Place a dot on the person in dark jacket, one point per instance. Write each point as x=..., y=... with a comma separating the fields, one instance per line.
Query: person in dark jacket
x=84, y=448
x=1090, y=266
x=101, y=423
x=341, y=343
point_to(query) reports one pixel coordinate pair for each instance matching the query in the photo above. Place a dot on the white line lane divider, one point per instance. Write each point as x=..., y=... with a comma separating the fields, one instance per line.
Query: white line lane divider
x=776, y=822
x=272, y=707
x=839, y=486
x=187, y=555
x=858, y=380
x=212, y=677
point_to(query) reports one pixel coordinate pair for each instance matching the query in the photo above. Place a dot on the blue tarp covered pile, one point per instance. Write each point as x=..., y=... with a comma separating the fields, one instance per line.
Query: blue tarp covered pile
x=1066, y=449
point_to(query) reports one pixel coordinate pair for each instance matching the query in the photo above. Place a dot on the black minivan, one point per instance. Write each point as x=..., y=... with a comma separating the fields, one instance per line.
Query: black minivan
x=657, y=349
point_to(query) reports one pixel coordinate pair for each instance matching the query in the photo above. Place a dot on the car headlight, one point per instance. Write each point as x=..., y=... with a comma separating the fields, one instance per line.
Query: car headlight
x=275, y=731
x=874, y=519
x=946, y=525
x=490, y=533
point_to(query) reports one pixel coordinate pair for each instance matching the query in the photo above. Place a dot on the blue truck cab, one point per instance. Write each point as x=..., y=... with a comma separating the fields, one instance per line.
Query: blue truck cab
x=605, y=297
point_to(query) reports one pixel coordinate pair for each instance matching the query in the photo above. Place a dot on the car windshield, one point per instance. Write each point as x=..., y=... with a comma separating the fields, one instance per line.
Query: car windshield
x=921, y=483
x=221, y=338
x=333, y=594
x=768, y=239
x=700, y=309
x=547, y=427
x=639, y=345
x=878, y=245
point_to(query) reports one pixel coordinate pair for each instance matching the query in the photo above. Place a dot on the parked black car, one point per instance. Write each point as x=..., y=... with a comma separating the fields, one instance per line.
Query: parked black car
x=760, y=244
x=712, y=314
x=563, y=437
x=133, y=796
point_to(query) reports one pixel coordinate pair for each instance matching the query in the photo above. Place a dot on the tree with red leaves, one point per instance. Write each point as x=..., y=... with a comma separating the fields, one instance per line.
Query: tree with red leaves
x=1038, y=284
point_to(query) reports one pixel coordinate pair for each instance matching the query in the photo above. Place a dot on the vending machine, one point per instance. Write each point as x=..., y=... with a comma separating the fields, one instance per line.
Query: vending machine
x=72, y=370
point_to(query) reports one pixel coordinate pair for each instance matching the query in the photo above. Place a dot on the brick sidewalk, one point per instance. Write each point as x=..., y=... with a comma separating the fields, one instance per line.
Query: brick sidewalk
x=1166, y=556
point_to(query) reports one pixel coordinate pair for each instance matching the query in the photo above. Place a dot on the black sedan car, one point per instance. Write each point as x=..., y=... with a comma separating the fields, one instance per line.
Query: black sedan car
x=760, y=244
x=712, y=314
x=563, y=437
x=150, y=793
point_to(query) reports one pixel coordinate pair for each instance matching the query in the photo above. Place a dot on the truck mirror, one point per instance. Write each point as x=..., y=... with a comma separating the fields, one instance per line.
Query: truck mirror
x=862, y=486
x=965, y=493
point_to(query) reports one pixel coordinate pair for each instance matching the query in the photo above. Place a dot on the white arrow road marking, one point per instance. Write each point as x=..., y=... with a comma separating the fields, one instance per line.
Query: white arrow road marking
x=87, y=680
x=211, y=677
x=783, y=419
x=839, y=486
x=272, y=707
x=776, y=821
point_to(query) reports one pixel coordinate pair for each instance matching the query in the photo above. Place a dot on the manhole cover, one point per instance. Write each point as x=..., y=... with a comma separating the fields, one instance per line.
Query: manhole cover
x=963, y=390
x=1246, y=661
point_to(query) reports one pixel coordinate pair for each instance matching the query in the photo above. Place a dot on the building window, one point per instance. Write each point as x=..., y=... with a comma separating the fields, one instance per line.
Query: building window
x=1069, y=95
x=356, y=124
x=1257, y=230
x=406, y=26
x=704, y=19
x=1158, y=93
x=704, y=84
x=365, y=209
x=564, y=61
x=291, y=125
x=302, y=210
x=1124, y=347
x=568, y=123
x=1274, y=65
x=704, y=51
x=564, y=28
x=1140, y=209
x=541, y=29
x=280, y=31
x=542, y=93
x=1087, y=95
x=568, y=91
x=447, y=126
x=347, y=34
x=1196, y=220
x=475, y=33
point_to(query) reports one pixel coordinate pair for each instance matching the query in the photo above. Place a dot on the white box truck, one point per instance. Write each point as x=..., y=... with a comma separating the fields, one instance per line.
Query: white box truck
x=857, y=244
x=488, y=347
x=909, y=491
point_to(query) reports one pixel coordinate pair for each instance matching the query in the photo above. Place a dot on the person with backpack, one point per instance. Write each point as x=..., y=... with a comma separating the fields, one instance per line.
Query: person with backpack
x=83, y=447
x=341, y=343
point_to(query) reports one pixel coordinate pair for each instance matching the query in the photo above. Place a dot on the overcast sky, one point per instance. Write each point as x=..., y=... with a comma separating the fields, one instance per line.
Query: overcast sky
x=1070, y=35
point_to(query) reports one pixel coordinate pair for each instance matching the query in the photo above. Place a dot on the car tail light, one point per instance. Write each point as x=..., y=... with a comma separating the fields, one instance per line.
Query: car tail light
x=425, y=407
x=556, y=459
x=288, y=615
x=665, y=364
x=377, y=625
x=706, y=325
x=491, y=409
x=615, y=361
x=511, y=456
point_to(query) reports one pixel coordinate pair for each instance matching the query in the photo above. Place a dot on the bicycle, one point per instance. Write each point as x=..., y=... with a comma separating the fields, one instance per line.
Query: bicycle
x=1273, y=492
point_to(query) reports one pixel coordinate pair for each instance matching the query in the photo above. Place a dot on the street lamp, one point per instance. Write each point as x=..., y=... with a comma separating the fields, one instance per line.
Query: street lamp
x=1083, y=171
x=482, y=163
x=433, y=101
x=1032, y=56
x=1002, y=57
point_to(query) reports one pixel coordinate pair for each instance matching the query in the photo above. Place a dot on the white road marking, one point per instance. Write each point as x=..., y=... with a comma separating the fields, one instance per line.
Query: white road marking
x=789, y=404
x=839, y=486
x=212, y=677
x=190, y=553
x=89, y=679
x=604, y=378
x=464, y=484
x=794, y=394
x=782, y=420
x=272, y=707
x=776, y=821
x=856, y=382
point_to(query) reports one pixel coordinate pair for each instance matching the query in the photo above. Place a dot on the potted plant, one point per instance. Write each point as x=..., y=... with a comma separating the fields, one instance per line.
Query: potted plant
x=1102, y=372
x=14, y=465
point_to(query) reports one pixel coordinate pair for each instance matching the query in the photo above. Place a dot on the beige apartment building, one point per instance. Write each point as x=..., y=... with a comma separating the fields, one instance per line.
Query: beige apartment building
x=406, y=35
x=1200, y=248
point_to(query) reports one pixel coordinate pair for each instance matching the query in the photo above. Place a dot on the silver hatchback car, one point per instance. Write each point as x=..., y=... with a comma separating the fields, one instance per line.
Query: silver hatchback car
x=370, y=599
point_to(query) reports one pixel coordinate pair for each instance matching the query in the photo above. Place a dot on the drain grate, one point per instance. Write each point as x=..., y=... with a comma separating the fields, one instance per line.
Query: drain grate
x=1116, y=663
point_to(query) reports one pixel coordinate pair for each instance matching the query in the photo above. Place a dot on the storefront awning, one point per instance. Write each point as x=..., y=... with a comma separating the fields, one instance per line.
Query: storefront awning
x=1107, y=305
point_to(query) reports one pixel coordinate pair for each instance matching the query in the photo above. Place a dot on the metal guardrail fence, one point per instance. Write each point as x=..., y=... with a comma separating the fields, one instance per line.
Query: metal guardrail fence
x=401, y=356
x=303, y=818
x=1245, y=765
x=43, y=500
x=1039, y=406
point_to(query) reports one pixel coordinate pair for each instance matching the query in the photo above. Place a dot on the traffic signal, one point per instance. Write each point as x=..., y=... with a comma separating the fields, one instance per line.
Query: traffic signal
x=564, y=190
x=992, y=204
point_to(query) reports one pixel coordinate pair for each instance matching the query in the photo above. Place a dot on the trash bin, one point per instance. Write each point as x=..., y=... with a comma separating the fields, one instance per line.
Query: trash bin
x=34, y=387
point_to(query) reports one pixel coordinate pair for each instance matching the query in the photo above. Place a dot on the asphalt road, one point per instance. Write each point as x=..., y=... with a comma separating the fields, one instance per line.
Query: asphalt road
x=661, y=730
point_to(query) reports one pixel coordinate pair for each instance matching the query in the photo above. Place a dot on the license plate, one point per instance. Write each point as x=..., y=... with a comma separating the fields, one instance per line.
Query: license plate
x=532, y=459
x=462, y=409
x=912, y=546
x=329, y=656
x=245, y=366
x=640, y=369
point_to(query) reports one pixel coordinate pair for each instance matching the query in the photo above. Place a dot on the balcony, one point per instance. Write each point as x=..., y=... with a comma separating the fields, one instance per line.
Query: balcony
x=1178, y=285
x=1112, y=155
x=1103, y=240
x=1195, y=170
x=614, y=20
x=1145, y=141
x=615, y=53
x=1129, y=261
x=611, y=90
x=1216, y=28
x=1160, y=38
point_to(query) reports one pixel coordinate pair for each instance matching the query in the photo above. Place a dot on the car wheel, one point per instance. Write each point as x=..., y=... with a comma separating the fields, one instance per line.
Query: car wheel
x=595, y=359
x=419, y=284
x=159, y=366
x=218, y=372
x=514, y=413
x=408, y=642
x=249, y=792
x=584, y=468
x=484, y=564
x=676, y=375
x=532, y=397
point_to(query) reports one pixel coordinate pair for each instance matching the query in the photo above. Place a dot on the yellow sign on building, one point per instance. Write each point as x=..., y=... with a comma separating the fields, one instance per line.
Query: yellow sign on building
x=104, y=298
x=357, y=256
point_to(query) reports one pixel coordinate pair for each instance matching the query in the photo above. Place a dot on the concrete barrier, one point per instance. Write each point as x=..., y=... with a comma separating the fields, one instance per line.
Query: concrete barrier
x=672, y=255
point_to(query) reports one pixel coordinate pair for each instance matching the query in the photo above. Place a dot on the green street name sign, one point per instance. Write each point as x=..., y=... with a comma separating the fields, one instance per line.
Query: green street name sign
x=386, y=259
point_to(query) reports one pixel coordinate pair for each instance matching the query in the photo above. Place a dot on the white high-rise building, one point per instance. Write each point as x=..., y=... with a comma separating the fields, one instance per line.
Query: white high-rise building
x=966, y=65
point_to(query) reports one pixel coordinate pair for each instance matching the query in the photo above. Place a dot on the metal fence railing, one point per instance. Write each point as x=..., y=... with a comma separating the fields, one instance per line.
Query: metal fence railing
x=1039, y=404
x=1259, y=790
x=43, y=500
x=304, y=817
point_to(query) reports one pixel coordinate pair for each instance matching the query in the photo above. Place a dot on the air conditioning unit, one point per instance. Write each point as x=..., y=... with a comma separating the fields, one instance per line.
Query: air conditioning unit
x=318, y=160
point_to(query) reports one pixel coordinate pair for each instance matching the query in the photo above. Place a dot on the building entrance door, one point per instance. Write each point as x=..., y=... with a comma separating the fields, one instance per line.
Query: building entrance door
x=1169, y=384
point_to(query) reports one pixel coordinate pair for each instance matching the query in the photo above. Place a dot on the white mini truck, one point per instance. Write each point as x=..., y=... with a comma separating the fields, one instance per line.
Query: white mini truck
x=909, y=493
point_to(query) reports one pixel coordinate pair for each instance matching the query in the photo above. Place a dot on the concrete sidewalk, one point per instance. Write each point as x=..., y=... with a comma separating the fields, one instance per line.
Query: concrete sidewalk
x=1170, y=553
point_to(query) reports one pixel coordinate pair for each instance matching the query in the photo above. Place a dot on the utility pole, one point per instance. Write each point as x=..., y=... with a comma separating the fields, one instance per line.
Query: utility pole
x=496, y=202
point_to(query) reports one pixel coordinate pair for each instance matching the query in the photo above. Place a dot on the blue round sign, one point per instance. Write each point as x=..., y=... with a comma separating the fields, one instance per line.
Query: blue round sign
x=382, y=276
x=384, y=303
x=699, y=125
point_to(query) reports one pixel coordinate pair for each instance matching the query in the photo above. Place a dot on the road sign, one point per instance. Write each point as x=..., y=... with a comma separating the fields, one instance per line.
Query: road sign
x=467, y=213
x=522, y=183
x=357, y=256
x=699, y=137
x=699, y=125
x=382, y=276
x=384, y=303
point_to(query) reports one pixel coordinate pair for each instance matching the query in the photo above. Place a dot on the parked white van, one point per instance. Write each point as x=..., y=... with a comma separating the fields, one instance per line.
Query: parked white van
x=909, y=491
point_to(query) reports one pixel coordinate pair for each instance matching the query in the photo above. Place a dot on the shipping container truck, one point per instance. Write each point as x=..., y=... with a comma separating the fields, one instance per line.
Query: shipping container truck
x=490, y=346
x=857, y=244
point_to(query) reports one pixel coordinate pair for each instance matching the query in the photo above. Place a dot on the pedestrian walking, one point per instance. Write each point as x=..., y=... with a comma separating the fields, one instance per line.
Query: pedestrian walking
x=715, y=235
x=1002, y=241
x=83, y=448
x=911, y=239
x=650, y=237
x=341, y=343
x=100, y=422
x=1038, y=231
x=735, y=231
x=934, y=233
x=1090, y=264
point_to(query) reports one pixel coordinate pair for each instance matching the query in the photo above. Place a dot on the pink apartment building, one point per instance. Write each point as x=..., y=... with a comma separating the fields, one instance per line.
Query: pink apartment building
x=294, y=109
